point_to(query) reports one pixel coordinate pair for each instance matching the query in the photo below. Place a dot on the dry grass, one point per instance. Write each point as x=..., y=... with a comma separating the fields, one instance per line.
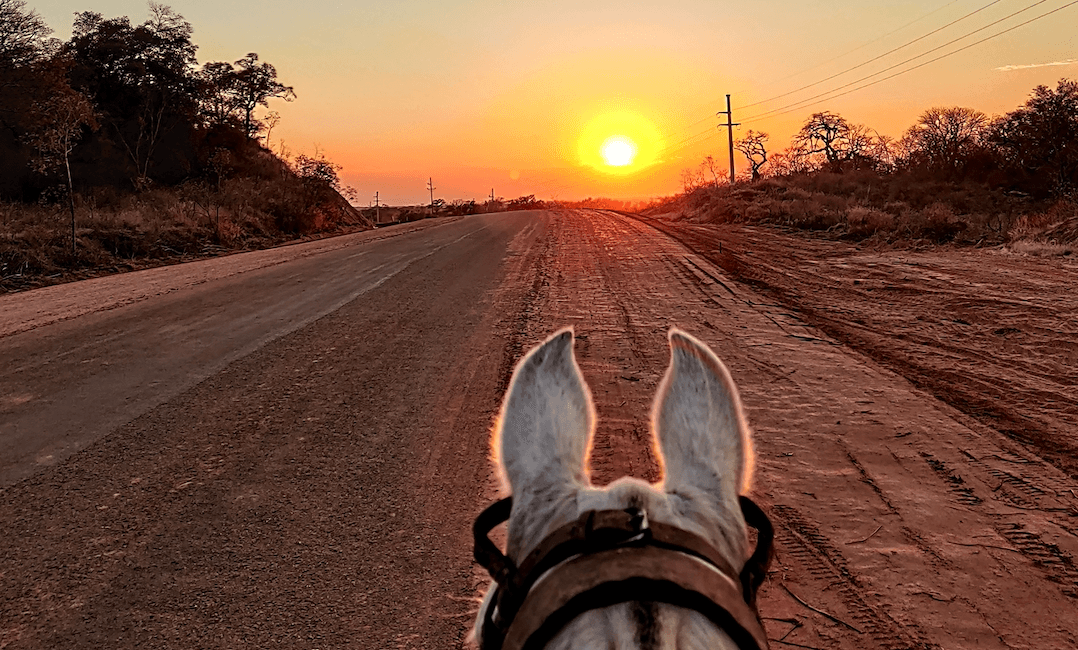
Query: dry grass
x=899, y=209
x=123, y=232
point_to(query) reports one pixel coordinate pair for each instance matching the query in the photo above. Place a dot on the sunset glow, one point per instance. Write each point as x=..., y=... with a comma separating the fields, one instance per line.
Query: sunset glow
x=487, y=94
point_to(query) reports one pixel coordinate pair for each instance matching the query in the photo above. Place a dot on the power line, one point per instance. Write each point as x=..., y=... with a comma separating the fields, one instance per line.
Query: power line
x=873, y=41
x=862, y=46
x=769, y=113
x=687, y=142
x=891, y=51
x=798, y=105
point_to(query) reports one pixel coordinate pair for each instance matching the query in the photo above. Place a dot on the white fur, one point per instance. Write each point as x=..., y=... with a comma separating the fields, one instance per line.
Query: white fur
x=541, y=441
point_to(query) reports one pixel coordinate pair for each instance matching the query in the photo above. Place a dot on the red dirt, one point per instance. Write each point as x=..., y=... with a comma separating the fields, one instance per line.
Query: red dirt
x=318, y=492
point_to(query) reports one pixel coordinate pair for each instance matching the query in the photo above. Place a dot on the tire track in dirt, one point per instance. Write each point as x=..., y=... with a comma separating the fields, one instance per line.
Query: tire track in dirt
x=992, y=335
x=803, y=541
x=934, y=565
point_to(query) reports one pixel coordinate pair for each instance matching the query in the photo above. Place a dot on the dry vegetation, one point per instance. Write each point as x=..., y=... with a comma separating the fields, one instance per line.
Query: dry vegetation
x=119, y=231
x=957, y=175
x=896, y=210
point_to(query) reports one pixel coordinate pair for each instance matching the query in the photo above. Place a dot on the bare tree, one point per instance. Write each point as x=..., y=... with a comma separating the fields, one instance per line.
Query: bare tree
x=884, y=152
x=826, y=133
x=753, y=146
x=692, y=180
x=61, y=121
x=944, y=138
x=23, y=34
x=712, y=167
x=272, y=119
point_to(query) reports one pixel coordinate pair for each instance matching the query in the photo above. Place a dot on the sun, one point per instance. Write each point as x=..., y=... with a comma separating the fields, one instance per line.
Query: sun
x=619, y=143
x=618, y=151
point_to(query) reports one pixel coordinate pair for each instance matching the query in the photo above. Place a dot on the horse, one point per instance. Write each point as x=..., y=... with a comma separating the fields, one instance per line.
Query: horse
x=668, y=566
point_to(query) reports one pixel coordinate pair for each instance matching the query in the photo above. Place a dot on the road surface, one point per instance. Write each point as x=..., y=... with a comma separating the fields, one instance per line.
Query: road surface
x=288, y=449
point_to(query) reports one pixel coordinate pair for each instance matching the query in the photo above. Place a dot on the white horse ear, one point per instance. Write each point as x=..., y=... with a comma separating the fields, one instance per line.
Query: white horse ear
x=546, y=425
x=698, y=420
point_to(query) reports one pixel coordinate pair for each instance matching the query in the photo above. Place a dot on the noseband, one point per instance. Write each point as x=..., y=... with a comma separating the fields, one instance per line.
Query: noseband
x=607, y=557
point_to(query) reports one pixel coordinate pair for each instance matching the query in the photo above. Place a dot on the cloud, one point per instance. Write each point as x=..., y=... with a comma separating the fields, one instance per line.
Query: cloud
x=1026, y=66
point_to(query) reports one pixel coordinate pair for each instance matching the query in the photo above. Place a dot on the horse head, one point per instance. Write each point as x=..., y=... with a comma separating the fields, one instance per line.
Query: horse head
x=541, y=443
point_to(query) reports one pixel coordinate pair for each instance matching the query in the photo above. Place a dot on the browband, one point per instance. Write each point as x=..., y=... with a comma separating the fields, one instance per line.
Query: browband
x=607, y=557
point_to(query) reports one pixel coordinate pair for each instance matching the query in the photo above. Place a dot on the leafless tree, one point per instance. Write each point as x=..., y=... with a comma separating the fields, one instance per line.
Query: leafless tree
x=824, y=133
x=272, y=119
x=884, y=152
x=753, y=146
x=62, y=118
x=710, y=165
x=692, y=180
x=946, y=137
x=23, y=34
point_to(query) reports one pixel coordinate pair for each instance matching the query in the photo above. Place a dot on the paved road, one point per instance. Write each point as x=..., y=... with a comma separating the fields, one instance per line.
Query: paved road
x=67, y=383
x=310, y=482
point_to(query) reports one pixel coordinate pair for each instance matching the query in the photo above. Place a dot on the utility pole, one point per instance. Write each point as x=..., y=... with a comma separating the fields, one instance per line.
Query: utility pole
x=492, y=196
x=730, y=124
x=377, y=211
x=430, y=186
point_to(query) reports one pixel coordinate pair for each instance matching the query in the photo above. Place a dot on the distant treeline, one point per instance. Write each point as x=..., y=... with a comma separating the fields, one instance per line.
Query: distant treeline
x=956, y=174
x=1033, y=149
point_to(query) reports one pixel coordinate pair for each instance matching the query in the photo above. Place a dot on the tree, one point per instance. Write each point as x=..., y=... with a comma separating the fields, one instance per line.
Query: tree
x=752, y=145
x=944, y=139
x=1039, y=141
x=23, y=35
x=217, y=93
x=826, y=133
x=62, y=118
x=255, y=84
x=23, y=42
x=140, y=78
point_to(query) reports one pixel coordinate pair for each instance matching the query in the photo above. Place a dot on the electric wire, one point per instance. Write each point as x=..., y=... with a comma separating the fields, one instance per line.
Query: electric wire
x=888, y=52
x=862, y=46
x=829, y=94
x=804, y=103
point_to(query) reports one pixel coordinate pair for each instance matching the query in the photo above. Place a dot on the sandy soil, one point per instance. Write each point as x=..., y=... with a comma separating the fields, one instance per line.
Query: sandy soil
x=318, y=492
x=992, y=333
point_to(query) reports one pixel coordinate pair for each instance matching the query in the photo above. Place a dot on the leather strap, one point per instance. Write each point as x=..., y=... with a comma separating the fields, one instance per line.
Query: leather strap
x=598, y=534
x=631, y=574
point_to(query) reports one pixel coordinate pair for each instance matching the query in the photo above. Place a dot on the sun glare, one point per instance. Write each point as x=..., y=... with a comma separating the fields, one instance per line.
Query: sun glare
x=619, y=142
x=618, y=151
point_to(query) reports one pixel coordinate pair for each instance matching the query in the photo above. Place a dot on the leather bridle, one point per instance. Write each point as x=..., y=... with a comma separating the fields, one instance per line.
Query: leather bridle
x=607, y=557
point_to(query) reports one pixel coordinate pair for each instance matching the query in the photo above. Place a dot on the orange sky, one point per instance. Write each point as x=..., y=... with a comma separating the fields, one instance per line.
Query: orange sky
x=495, y=94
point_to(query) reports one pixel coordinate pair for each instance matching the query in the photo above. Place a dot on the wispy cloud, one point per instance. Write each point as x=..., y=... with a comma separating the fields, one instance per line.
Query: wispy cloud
x=1026, y=66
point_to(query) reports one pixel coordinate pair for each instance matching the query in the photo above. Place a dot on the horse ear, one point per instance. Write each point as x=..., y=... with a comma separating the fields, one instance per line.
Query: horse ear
x=702, y=433
x=546, y=425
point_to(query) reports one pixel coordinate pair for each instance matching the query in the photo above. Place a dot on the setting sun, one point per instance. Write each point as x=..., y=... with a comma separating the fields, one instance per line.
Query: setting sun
x=618, y=151
x=619, y=142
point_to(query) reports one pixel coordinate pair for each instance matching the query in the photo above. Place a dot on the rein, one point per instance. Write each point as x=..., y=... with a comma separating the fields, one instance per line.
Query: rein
x=607, y=557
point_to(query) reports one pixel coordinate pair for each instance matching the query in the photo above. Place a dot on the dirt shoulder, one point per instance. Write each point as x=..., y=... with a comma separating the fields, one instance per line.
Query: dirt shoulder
x=992, y=333
x=23, y=311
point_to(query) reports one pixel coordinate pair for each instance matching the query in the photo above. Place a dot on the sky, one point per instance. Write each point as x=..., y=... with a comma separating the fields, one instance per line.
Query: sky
x=520, y=97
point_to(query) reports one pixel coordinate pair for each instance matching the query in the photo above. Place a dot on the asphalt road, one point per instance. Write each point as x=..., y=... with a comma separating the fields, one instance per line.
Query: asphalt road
x=286, y=448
